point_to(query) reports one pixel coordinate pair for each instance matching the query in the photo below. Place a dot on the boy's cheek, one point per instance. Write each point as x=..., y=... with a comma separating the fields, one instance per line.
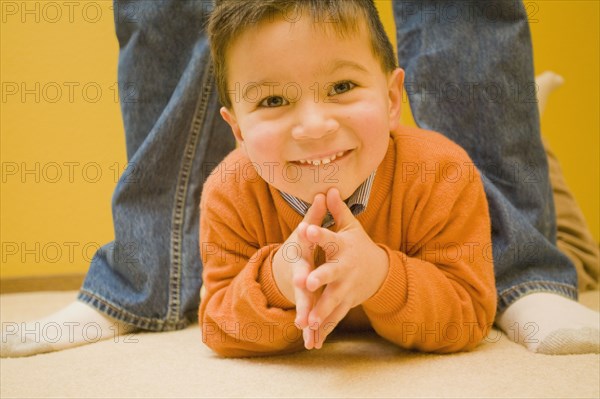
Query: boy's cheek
x=264, y=142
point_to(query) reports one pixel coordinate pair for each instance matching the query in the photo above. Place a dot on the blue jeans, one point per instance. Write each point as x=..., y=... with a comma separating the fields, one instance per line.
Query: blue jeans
x=469, y=75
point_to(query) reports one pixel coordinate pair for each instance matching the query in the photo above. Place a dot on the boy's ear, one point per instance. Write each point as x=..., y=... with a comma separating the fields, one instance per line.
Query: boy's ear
x=229, y=117
x=395, y=87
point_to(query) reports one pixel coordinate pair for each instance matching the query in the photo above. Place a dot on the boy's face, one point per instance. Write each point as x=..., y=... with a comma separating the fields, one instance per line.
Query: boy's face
x=312, y=110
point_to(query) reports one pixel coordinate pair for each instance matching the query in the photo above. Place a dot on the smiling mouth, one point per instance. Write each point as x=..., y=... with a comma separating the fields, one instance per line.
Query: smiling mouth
x=322, y=160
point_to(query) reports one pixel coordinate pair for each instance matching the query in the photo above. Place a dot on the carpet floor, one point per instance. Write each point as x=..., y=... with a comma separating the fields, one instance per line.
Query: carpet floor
x=177, y=364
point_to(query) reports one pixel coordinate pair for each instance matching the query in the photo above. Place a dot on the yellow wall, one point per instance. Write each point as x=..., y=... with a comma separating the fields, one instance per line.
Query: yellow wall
x=62, y=142
x=50, y=223
x=566, y=39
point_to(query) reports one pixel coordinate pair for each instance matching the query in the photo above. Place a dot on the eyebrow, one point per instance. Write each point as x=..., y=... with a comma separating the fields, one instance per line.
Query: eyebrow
x=251, y=85
x=341, y=64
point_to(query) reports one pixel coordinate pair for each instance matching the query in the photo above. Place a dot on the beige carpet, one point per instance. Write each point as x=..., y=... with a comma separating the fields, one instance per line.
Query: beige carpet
x=177, y=364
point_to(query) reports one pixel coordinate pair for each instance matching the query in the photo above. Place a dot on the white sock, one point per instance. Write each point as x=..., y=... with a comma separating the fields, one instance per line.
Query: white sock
x=75, y=325
x=552, y=324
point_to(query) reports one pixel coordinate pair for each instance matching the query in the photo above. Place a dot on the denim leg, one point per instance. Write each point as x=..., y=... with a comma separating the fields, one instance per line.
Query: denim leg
x=469, y=75
x=150, y=276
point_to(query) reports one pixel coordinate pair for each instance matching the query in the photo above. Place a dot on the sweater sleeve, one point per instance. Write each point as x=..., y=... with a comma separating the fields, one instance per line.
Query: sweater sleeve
x=440, y=293
x=243, y=313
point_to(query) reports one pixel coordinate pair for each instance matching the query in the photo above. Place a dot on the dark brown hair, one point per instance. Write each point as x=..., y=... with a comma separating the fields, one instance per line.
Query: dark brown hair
x=230, y=18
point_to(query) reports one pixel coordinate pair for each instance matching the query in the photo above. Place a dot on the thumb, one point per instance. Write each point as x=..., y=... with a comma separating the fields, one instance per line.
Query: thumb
x=339, y=210
x=314, y=215
x=317, y=211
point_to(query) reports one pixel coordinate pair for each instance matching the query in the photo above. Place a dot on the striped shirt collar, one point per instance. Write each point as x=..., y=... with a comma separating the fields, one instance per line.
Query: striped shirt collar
x=357, y=201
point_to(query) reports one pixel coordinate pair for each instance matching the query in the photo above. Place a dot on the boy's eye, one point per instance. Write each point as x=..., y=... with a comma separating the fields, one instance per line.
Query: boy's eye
x=341, y=87
x=273, y=101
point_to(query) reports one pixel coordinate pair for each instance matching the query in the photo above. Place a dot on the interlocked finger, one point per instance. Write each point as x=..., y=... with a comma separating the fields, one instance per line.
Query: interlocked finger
x=331, y=298
x=328, y=325
x=304, y=298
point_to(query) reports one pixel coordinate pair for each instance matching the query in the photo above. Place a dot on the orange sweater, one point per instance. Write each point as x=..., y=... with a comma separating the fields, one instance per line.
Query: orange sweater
x=427, y=209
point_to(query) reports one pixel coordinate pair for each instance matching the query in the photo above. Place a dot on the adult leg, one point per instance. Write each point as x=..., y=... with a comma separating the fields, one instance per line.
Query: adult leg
x=469, y=75
x=150, y=276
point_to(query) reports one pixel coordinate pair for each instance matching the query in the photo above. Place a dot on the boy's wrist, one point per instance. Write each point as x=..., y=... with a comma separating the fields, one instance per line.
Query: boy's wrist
x=394, y=287
x=266, y=279
x=282, y=275
x=381, y=268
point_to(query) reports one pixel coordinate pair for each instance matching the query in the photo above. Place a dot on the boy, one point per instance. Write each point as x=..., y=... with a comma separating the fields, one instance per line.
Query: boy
x=330, y=213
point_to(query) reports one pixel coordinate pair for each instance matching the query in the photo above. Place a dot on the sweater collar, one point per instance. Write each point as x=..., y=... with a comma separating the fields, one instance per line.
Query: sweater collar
x=357, y=202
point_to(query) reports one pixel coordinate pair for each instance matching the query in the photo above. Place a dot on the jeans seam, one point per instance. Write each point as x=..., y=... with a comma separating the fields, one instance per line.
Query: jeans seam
x=119, y=313
x=510, y=295
x=181, y=191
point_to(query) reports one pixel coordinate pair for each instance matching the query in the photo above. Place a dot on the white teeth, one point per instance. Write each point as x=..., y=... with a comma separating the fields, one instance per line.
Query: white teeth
x=324, y=161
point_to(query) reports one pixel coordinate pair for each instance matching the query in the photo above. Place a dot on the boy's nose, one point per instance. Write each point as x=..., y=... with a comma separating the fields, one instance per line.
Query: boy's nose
x=314, y=123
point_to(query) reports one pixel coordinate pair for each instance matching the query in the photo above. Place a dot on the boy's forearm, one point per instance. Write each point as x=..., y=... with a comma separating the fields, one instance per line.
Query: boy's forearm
x=423, y=306
x=241, y=314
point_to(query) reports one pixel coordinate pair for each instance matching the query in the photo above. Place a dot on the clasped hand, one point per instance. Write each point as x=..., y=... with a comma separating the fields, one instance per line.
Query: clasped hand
x=353, y=271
